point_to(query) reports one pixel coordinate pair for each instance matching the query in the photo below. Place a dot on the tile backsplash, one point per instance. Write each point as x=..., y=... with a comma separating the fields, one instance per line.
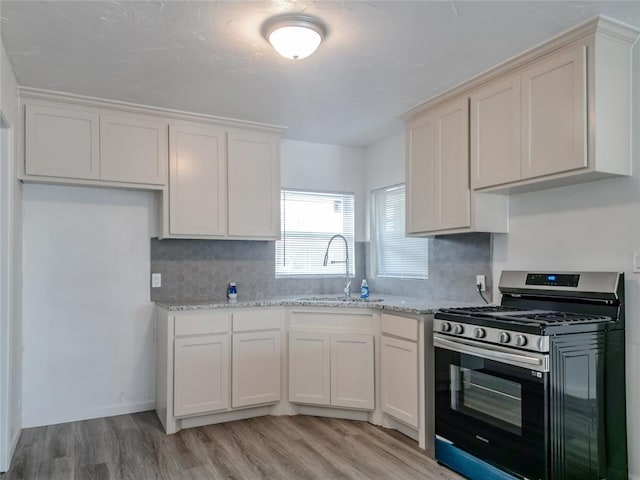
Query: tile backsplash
x=194, y=270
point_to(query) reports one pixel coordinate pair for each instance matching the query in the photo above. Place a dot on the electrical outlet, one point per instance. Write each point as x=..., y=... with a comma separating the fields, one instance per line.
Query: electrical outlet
x=156, y=280
x=636, y=262
x=480, y=280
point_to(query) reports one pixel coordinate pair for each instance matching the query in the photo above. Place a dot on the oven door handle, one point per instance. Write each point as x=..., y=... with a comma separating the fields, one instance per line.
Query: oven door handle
x=539, y=363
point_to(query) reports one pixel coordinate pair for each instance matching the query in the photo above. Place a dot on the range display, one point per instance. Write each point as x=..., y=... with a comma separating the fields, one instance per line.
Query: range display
x=521, y=387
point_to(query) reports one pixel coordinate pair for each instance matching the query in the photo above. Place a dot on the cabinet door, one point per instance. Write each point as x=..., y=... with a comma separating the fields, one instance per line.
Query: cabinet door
x=421, y=193
x=62, y=142
x=399, y=376
x=352, y=368
x=201, y=374
x=254, y=185
x=554, y=114
x=495, y=133
x=255, y=368
x=133, y=149
x=438, y=194
x=197, y=180
x=452, y=171
x=309, y=368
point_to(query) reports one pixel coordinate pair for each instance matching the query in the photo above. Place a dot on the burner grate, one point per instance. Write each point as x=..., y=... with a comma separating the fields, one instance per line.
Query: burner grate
x=561, y=317
x=486, y=309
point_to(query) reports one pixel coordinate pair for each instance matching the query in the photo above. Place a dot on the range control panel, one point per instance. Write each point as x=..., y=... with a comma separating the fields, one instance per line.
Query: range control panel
x=553, y=279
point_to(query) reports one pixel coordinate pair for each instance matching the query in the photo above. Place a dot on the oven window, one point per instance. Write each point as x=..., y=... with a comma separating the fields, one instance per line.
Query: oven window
x=488, y=398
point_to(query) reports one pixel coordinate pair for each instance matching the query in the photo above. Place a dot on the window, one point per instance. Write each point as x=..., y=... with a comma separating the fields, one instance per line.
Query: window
x=392, y=254
x=308, y=221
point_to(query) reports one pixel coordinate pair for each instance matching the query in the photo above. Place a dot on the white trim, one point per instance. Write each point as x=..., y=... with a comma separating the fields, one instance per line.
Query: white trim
x=600, y=24
x=28, y=93
x=53, y=418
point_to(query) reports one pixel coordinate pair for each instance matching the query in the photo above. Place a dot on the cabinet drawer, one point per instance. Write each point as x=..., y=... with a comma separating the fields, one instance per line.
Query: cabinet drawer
x=257, y=320
x=333, y=320
x=201, y=322
x=401, y=327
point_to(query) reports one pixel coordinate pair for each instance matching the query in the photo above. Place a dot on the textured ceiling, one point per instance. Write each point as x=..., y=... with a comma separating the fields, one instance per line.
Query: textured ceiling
x=379, y=58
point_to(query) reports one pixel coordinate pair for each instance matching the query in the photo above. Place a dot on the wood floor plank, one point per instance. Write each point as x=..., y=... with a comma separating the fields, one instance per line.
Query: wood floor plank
x=264, y=448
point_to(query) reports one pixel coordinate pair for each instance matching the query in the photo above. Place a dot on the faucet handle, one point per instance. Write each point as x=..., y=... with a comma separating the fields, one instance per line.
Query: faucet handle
x=346, y=288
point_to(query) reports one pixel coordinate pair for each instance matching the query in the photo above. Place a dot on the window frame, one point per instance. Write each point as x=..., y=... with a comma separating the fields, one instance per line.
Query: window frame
x=351, y=244
x=373, y=239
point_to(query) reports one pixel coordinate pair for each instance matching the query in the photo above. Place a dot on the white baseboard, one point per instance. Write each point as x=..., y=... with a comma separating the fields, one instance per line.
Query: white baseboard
x=40, y=419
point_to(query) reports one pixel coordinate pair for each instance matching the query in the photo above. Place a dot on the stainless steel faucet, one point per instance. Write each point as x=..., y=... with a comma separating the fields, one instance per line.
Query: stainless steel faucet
x=347, y=292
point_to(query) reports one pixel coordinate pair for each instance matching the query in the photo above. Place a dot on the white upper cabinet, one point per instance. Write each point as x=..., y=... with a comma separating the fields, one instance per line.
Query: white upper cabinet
x=421, y=174
x=253, y=184
x=439, y=199
x=223, y=183
x=219, y=178
x=62, y=142
x=79, y=144
x=554, y=121
x=197, y=180
x=495, y=133
x=133, y=149
x=438, y=195
x=453, y=202
x=557, y=114
x=560, y=117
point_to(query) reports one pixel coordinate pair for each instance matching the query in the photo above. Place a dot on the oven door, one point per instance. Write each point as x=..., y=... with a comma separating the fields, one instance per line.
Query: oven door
x=491, y=402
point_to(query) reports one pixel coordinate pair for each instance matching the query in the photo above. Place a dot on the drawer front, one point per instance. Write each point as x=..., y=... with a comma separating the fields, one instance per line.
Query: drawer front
x=401, y=327
x=252, y=320
x=335, y=321
x=201, y=323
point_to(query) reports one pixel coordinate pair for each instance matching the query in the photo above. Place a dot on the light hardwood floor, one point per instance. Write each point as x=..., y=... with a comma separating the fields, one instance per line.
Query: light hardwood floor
x=300, y=447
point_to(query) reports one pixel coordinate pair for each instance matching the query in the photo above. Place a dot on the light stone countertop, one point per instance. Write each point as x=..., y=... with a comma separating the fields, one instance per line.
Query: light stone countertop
x=390, y=303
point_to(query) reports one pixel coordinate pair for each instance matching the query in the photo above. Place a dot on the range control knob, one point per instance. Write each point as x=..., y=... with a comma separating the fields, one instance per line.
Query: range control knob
x=445, y=327
x=458, y=329
x=479, y=333
x=521, y=340
x=504, y=337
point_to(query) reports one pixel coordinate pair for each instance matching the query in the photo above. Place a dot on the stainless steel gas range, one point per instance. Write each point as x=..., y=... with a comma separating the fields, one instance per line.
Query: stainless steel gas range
x=534, y=388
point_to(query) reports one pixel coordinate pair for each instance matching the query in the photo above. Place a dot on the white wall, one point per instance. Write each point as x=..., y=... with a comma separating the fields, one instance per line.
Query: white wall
x=317, y=166
x=385, y=166
x=88, y=322
x=10, y=267
x=590, y=226
x=385, y=162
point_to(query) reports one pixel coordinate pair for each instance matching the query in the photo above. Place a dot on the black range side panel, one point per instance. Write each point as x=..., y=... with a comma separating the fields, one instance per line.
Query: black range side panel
x=588, y=424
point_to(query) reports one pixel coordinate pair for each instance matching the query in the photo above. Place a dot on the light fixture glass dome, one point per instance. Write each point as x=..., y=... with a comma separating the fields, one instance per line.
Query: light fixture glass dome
x=294, y=36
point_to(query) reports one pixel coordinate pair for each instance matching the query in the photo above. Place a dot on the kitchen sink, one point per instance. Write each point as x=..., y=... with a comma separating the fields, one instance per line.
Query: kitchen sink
x=340, y=299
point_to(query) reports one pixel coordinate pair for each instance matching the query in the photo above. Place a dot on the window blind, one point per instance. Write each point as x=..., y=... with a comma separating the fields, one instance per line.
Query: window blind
x=308, y=221
x=396, y=255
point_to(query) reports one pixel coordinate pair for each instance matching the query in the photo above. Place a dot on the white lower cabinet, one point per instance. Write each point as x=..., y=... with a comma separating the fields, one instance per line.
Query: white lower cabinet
x=255, y=368
x=400, y=368
x=399, y=372
x=352, y=383
x=331, y=369
x=310, y=368
x=220, y=365
x=201, y=374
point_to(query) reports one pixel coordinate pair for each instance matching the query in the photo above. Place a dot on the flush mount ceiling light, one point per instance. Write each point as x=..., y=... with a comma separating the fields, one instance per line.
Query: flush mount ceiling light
x=294, y=36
